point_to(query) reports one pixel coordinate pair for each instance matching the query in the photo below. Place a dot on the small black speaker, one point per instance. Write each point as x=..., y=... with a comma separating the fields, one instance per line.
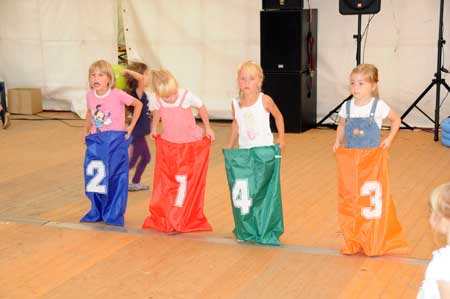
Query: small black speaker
x=282, y=4
x=359, y=7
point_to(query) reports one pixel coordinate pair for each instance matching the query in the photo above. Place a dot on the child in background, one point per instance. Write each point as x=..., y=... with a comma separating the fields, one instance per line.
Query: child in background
x=361, y=117
x=252, y=109
x=173, y=106
x=137, y=80
x=437, y=276
x=106, y=104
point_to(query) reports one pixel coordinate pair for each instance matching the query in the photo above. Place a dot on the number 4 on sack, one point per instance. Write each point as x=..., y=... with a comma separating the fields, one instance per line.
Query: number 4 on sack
x=241, y=196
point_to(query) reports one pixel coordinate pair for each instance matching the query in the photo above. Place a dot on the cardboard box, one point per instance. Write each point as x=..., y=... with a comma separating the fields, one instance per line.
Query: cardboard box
x=24, y=100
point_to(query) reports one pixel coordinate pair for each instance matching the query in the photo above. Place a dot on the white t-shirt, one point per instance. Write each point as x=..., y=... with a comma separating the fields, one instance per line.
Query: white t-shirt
x=438, y=269
x=191, y=100
x=381, y=112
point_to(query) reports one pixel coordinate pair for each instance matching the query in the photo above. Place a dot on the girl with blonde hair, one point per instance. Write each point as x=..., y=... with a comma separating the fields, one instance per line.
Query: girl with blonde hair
x=437, y=276
x=361, y=117
x=252, y=109
x=173, y=106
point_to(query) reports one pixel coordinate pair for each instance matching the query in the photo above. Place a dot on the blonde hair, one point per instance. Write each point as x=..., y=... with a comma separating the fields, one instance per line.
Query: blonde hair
x=103, y=67
x=253, y=68
x=370, y=72
x=164, y=83
x=440, y=200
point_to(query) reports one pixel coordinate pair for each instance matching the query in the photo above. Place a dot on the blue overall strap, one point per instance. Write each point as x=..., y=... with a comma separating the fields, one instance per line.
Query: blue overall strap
x=374, y=108
x=347, y=107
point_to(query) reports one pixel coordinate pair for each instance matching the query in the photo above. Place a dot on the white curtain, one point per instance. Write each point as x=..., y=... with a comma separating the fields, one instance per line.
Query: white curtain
x=203, y=41
x=200, y=41
x=50, y=44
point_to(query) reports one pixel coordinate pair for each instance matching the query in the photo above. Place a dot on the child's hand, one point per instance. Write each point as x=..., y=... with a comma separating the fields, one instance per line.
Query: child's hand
x=386, y=143
x=86, y=134
x=124, y=72
x=153, y=135
x=281, y=143
x=210, y=133
x=129, y=131
x=336, y=146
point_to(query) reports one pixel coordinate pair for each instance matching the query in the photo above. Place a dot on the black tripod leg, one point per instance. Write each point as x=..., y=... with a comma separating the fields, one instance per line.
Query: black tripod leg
x=335, y=110
x=415, y=103
x=446, y=86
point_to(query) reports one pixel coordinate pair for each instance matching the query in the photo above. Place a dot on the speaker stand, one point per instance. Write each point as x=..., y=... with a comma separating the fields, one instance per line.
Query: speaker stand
x=358, y=38
x=437, y=81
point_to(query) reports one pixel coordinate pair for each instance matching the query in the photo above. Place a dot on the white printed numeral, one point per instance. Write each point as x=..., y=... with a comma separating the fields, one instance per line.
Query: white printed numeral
x=94, y=184
x=372, y=188
x=181, y=193
x=241, y=196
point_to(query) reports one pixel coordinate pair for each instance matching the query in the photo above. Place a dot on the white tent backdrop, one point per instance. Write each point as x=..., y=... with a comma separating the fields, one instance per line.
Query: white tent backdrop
x=203, y=41
x=50, y=44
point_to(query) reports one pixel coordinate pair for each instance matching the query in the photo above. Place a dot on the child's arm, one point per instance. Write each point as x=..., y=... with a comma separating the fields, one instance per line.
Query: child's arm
x=137, y=105
x=395, y=126
x=139, y=78
x=87, y=123
x=444, y=288
x=156, y=115
x=271, y=107
x=204, y=116
x=234, y=130
x=339, y=134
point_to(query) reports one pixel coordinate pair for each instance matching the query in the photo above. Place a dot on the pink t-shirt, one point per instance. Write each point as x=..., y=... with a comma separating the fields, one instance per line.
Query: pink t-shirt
x=108, y=111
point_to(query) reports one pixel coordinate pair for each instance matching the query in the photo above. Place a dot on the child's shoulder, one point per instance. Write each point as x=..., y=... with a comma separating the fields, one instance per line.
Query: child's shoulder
x=265, y=97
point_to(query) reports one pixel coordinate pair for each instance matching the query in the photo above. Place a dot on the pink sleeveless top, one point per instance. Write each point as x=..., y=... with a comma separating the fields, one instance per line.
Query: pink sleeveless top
x=179, y=123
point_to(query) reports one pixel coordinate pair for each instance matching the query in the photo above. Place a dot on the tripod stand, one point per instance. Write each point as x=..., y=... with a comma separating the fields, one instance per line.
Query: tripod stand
x=358, y=38
x=437, y=81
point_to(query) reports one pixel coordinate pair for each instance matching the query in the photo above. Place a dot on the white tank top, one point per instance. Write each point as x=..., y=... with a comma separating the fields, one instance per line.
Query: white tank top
x=253, y=124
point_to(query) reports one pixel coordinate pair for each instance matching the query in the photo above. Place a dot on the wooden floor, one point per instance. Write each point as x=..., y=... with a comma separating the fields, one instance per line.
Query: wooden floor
x=46, y=253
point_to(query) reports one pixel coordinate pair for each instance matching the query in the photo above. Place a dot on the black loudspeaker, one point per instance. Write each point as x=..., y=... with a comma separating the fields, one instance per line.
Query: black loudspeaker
x=359, y=7
x=296, y=101
x=282, y=4
x=288, y=57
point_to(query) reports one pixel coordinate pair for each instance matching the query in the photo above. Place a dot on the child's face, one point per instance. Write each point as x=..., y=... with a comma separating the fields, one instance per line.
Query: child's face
x=99, y=81
x=361, y=87
x=438, y=223
x=249, y=82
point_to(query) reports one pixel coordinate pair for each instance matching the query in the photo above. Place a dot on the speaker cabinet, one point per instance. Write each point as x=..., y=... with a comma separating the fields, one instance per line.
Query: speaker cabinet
x=288, y=53
x=282, y=4
x=295, y=99
x=359, y=7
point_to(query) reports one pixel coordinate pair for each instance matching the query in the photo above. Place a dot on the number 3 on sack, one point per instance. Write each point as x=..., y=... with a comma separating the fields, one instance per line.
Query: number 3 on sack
x=372, y=189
